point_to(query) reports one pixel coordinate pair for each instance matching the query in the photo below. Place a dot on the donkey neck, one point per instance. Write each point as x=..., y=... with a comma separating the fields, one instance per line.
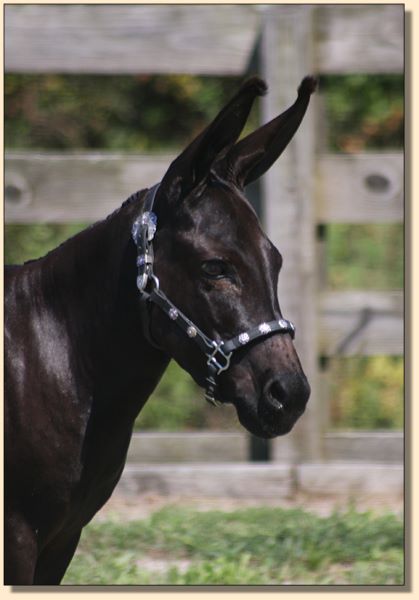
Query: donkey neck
x=90, y=285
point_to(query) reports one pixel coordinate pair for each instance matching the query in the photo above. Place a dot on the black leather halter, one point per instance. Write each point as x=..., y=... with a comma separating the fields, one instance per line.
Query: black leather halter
x=218, y=353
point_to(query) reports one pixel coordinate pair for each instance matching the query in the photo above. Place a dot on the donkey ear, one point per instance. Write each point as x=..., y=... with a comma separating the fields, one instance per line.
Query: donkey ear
x=190, y=167
x=254, y=154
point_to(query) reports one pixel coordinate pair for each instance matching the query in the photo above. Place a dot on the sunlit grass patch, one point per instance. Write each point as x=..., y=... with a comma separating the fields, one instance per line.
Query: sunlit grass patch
x=259, y=546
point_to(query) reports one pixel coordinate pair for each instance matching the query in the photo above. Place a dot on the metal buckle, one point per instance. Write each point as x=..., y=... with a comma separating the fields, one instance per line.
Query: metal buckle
x=144, y=279
x=214, y=360
x=219, y=360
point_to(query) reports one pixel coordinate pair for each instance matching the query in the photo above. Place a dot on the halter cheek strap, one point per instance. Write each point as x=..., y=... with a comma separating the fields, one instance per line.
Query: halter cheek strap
x=217, y=352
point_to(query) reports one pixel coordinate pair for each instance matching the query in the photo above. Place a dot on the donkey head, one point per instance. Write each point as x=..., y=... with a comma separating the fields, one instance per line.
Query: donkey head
x=217, y=265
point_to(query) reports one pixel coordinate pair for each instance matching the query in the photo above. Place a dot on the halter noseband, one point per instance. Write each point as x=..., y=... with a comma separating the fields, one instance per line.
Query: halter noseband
x=218, y=353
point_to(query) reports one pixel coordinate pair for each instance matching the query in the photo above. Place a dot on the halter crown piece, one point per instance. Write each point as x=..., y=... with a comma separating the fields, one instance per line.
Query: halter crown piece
x=218, y=353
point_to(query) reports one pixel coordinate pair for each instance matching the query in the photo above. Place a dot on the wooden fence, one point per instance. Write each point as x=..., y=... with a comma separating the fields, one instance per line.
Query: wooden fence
x=305, y=189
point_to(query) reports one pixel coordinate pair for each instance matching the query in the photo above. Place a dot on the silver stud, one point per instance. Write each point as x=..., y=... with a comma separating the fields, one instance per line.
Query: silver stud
x=244, y=338
x=264, y=328
x=141, y=260
x=191, y=331
x=173, y=314
x=282, y=323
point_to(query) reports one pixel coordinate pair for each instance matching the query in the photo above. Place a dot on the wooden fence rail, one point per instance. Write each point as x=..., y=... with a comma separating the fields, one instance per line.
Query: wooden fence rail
x=196, y=39
x=84, y=186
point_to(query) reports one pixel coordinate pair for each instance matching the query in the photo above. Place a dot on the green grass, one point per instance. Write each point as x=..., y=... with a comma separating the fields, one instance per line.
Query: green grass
x=257, y=546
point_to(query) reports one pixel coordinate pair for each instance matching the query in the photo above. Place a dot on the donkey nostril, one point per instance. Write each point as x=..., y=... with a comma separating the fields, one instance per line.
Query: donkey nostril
x=276, y=394
x=287, y=392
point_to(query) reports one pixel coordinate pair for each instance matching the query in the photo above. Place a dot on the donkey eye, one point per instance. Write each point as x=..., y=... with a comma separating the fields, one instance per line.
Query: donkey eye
x=214, y=269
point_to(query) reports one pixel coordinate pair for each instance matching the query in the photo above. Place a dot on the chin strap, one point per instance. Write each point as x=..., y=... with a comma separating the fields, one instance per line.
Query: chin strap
x=218, y=353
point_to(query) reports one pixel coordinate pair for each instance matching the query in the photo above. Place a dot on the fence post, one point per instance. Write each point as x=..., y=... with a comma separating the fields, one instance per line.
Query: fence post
x=286, y=56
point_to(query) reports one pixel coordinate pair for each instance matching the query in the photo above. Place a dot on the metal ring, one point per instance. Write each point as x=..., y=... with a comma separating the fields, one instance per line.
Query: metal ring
x=155, y=281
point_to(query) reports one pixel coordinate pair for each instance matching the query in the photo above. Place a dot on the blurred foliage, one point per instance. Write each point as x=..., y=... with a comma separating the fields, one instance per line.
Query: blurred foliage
x=27, y=242
x=142, y=113
x=367, y=256
x=149, y=113
x=178, y=403
x=152, y=112
x=367, y=393
x=174, y=401
x=364, y=112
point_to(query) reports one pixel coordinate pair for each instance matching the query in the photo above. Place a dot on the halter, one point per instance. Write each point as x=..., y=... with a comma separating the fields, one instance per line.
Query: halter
x=218, y=353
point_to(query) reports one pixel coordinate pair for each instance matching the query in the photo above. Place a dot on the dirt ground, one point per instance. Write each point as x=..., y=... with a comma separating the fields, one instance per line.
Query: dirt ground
x=129, y=508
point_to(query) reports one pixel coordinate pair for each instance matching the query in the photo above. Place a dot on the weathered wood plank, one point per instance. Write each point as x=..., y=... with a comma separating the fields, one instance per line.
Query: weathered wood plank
x=263, y=481
x=361, y=322
x=360, y=38
x=350, y=480
x=360, y=188
x=209, y=480
x=90, y=185
x=47, y=187
x=122, y=38
x=233, y=446
x=197, y=446
x=374, y=446
x=193, y=39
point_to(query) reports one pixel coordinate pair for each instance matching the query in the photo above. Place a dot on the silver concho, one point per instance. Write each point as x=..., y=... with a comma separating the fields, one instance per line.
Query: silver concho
x=264, y=328
x=135, y=229
x=191, y=331
x=173, y=314
x=244, y=338
x=142, y=281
